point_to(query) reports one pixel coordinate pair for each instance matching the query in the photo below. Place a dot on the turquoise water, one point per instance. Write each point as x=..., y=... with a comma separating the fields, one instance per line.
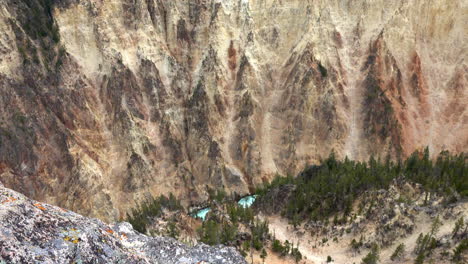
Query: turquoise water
x=202, y=213
x=247, y=201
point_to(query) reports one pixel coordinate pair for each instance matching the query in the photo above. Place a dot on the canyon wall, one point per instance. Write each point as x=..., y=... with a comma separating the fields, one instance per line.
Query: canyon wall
x=107, y=102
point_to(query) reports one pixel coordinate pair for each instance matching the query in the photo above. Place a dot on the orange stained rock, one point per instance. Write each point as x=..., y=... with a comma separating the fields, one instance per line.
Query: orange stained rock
x=109, y=231
x=38, y=205
x=9, y=200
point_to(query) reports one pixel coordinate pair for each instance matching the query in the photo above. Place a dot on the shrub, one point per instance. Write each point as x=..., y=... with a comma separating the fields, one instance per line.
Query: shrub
x=172, y=229
x=323, y=70
x=296, y=254
x=277, y=247
x=356, y=245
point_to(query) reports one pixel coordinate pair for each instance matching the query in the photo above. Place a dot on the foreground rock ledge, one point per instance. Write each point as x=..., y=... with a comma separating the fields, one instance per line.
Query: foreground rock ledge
x=34, y=232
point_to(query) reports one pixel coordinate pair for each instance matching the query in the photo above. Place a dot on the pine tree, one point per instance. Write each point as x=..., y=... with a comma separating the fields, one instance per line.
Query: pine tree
x=398, y=253
x=458, y=226
x=373, y=256
x=263, y=255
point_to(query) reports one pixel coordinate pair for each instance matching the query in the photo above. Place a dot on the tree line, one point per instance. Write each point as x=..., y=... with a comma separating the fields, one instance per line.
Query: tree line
x=332, y=187
x=141, y=215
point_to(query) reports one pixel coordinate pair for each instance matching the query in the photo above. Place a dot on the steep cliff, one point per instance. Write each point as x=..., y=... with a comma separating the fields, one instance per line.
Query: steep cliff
x=106, y=102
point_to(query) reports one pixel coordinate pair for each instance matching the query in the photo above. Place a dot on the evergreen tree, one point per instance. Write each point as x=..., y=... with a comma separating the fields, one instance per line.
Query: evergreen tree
x=263, y=255
x=458, y=227
x=398, y=253
x=373, y=256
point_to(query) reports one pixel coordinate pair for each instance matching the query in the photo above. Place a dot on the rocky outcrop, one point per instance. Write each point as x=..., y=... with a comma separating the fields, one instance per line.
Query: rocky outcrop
x=32, y=232
x=107, y=102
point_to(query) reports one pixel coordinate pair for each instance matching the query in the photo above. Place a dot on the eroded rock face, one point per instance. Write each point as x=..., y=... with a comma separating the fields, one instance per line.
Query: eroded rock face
x=32, y=232
x=106, y=102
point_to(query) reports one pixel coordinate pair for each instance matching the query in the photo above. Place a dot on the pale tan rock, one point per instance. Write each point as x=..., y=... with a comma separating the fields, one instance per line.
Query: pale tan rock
x=176, y=96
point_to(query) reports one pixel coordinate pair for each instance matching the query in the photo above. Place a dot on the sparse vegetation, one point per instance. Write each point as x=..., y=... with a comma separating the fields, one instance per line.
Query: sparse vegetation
x=20, y=119
x=260, y=232
x=40, y=23
x=356, y=245
x=296, y=254
x=323, y=191
x=286, y=249
x=140, y=217
x=217, y=195
x=277, y=246
x=40, y=44
x=172, y=229
x=426, y=243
